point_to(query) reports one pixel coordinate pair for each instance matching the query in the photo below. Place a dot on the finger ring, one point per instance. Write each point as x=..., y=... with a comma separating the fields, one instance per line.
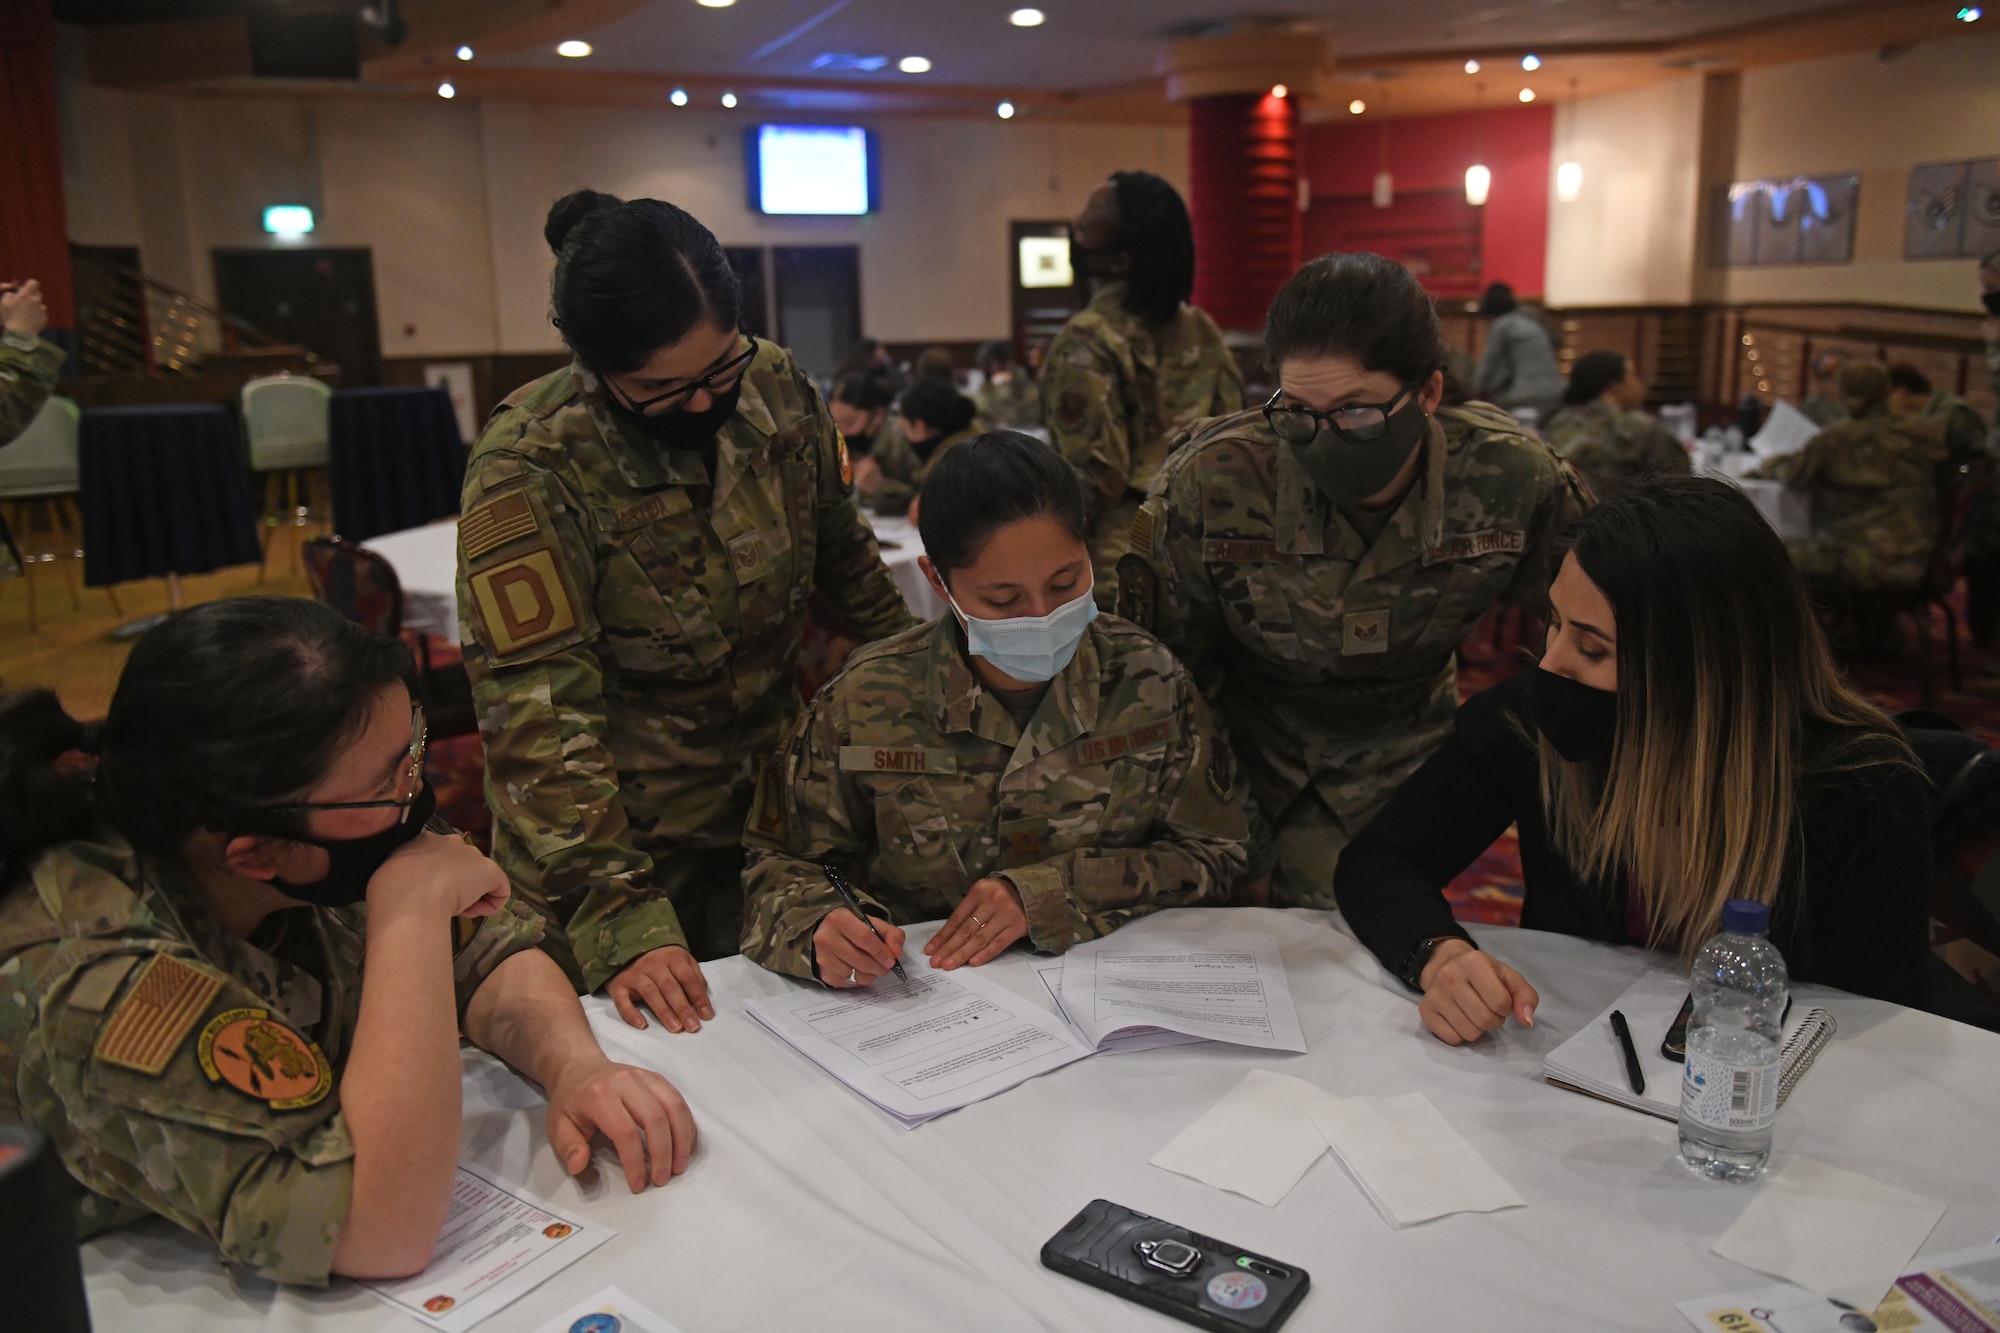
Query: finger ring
x=850, y=976
x=977, y=922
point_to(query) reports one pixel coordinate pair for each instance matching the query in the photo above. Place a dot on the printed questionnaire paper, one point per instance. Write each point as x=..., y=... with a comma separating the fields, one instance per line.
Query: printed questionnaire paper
x=1227, y=988
x=920, y=1048
x=1050, y=970
x=497, y=1245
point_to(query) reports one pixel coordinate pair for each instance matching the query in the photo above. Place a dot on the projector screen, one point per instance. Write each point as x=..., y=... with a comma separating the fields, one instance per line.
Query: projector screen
x=822, y=170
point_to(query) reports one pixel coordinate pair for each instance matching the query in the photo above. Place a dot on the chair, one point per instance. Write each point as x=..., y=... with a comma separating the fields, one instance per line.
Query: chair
x=39, y=475
x=362, y=585
x=285, y=420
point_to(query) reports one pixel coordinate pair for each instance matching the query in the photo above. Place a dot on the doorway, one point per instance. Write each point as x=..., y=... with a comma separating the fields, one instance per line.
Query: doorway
x=818, y=289
x=323, y=300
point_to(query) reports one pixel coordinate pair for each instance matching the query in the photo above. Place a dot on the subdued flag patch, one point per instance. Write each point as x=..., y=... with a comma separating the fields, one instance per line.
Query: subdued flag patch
x=156, y=1015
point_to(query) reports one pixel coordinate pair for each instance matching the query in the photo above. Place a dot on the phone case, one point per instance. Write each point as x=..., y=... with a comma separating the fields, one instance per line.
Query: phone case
x=1227, y=1290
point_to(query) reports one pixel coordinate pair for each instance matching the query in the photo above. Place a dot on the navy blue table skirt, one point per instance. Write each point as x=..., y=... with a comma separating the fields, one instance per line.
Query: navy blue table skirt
x=394, y=458
x=163, y=490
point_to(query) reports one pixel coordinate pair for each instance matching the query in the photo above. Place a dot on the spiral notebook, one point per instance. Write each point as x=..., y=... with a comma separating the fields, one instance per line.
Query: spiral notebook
x=1592, y=1063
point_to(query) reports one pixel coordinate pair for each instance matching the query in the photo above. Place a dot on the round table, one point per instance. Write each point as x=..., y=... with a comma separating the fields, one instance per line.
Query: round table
x=900, y=548
x=394, y=459
x=807, y=1208
x=163, y=490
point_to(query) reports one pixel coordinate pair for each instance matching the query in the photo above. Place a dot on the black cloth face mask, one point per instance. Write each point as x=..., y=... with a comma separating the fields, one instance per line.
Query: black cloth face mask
x=680, y=428
x=1579, y=720
x=352, y=862
x=1349, y=471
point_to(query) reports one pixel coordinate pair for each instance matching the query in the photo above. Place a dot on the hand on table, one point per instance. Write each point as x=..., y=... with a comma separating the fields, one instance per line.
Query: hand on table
x=1468, y=994
x=643, y=1116
x=670, y=983
x=849, y=955
x=988, y=919
x=21, y=308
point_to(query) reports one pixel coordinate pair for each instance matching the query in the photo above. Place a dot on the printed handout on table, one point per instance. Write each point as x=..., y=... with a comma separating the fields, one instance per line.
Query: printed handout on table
x=1050, y=970
x=1162, y=973
x=1953, y=1293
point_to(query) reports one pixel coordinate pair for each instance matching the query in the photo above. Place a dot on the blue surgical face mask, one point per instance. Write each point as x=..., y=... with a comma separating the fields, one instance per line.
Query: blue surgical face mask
x=1030, y=648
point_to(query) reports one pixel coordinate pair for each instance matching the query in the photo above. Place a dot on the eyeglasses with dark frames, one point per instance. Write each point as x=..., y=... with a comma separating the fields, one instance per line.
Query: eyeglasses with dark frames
x=412, y=780
x=720, y=380
x=1357, y=422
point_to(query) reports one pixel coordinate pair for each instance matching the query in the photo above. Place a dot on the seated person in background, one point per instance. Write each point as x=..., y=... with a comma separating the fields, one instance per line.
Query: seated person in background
x=1823, y=403
x=1021, y=766
x=236, y=954
x=1685, y=740
x=932, y=417
x=1601, y=430
x=1008, y=397
x=861, y=407
x=934, y=361
x=1873, y=481
x=1518, y=369
x=1911, y=395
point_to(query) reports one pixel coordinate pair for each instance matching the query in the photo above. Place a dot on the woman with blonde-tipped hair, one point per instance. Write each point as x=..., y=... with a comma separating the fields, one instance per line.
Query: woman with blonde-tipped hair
x=1685, y=740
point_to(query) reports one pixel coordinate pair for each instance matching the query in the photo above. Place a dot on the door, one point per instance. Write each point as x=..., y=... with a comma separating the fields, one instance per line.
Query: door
x=323, y=300
x=819, y=302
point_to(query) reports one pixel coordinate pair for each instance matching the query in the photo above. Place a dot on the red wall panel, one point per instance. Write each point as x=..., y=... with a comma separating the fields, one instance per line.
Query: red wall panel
x=34, y=231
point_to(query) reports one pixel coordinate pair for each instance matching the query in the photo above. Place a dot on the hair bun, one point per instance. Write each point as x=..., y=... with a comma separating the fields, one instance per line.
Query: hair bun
x=571, y=209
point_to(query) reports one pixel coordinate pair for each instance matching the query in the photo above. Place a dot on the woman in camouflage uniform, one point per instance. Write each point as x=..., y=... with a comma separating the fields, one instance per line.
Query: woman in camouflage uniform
x=1602, y=432
x=1022, y=767
x=931, y=417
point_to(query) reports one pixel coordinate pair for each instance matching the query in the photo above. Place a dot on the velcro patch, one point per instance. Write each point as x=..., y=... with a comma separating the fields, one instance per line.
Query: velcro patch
x=262, y=1058
x=99, y=982
x=1237, y=550
x=896, y=759
x=1145, y=736
x=1025, y=839
x=523, y=601
x=846, y=463
x=491, y=525
x=1466, y=545
x=153, y=1020
x=651, y=510
x=1141, y=539
x=767, y=807
x=746, y=556
x=1363, y=633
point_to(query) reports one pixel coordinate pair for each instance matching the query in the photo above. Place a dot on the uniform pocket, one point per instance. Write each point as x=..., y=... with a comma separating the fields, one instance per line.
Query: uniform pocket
x=655, y=616
x=915, y=843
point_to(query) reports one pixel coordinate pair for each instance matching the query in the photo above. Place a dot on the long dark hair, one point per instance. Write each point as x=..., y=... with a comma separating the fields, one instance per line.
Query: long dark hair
x=1155, y=232
x=632, y=278
x=1358, y=305
x=225, y=708
x=992, y=480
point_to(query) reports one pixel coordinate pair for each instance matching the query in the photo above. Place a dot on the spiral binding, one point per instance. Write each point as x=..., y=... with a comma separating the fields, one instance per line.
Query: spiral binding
x=1802, y=1048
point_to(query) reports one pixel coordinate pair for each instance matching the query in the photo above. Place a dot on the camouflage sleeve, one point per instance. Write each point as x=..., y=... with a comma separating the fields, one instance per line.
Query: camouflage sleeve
x=1664, y=452
x=1163, y=584
x=1567, y=499
x=801, y=816
x=1084, y=412
x=1197, y=854
x=1797, y=470
x=527, y=577
x=848, y=568
x=898, y=486
x=28, y=370
x=486, y=942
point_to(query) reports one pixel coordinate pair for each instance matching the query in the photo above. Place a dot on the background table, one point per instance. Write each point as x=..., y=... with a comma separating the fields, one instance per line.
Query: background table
x=394, y=459
x=1789, y=512
x=163, y=490
x=426, y=563
x=806, y=1208
x=900, y=548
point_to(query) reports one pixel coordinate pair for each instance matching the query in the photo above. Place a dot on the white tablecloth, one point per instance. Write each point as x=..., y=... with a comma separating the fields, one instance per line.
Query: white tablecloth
x=900, y=548
x=426, y=563
x=1786, y=510
x=807, y=1209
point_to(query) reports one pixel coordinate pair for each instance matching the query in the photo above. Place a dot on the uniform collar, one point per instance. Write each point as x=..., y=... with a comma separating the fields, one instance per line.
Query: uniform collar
x=1303, y=512
x=743, y=442
x=964, y=705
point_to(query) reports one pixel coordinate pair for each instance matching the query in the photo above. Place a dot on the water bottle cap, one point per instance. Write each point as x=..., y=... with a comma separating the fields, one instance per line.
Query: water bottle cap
x=1740, y=916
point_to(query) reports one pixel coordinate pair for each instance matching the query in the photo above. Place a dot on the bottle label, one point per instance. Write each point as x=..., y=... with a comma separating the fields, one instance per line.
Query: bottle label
x=1728, y=1097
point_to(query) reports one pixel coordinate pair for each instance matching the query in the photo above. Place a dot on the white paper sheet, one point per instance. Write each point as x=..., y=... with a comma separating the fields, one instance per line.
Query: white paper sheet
x=1160, y=972
x=920, y=1048
x=1258, y=1141
x=497, y=1245
x=1408, y=1160
x=1831, y=1231
x=1785, y=431
x=1050, y=971
x=610, y=1311
x=1952, y=1293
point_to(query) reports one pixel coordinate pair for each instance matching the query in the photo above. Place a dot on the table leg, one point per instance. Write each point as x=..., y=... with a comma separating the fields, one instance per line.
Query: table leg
x=132, y=629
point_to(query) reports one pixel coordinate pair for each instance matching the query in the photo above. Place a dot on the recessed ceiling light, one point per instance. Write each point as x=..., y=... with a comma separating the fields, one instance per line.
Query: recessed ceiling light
x=1356, y=107
x=1026, y=18
x=1005, y=111
x=446, y=91
x=1279, y=90
x=1527, y=94
x=573, y=49
x=914, y=65
x=1531, y=62
x=679, y=97
x=1472, y=67
x=715, y=4
x=729, y=99
x=464, y=53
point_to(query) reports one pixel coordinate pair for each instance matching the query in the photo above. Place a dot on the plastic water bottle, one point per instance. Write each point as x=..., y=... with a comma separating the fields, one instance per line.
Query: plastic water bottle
x=1729, y=1085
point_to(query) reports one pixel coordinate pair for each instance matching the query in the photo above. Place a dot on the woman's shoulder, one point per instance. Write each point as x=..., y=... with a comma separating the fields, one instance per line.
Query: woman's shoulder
x=891, y=663
x=71, y=895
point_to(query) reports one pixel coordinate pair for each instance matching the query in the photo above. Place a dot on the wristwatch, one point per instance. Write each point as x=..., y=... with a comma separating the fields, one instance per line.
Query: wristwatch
x=1419, y=958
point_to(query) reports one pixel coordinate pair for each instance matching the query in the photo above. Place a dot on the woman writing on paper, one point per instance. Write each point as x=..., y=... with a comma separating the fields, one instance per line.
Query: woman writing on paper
x=1023, y=766
x=1685, y=740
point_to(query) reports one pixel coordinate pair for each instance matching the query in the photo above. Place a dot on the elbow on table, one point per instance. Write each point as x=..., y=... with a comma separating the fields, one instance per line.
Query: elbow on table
x=380, y=1258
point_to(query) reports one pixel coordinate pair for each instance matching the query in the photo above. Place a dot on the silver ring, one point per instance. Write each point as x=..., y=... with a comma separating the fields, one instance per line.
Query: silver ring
x=977, y=922
x=852, y=977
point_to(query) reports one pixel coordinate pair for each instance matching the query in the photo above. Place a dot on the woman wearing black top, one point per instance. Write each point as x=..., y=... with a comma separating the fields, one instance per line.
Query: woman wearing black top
x=1685, y=740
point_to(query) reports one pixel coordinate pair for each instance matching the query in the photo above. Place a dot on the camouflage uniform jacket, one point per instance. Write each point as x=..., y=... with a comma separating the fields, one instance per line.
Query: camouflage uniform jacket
x=183, y=1072
x=1118, y=800
x=632, y=632
x=1331, y=660
x=904, y=470
x=1964, y=428
x=1015, y=405
x=28, y=370
x=1824, y=411
x=1612, y=447
x=1873, y=483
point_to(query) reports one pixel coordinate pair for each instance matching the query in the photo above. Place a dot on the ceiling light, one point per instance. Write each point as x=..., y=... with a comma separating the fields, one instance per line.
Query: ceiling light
x=1527, y=94
x=1280, y=91
x=729, y=99
x=914, y=65
x=715, y=4
x=1478, y=182
x=464, y=53
x=679, y=97
x=1005, y=111
x=1569, y=181
x=1531, y=62
x=1356, y=107
x=1472, y=67
x=573, y=49
x=446, y=91
x=1970, y=14
x=1026, y=18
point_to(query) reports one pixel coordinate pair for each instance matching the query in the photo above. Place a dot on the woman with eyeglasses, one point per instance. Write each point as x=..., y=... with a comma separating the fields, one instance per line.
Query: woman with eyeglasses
x=642, y=533
x=237, y=952
x=1316, y=562
x=1022, y=768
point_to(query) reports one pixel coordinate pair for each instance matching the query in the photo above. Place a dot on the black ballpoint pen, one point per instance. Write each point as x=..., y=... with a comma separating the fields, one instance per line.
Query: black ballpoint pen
x=839, y=882
x=1632, y=1070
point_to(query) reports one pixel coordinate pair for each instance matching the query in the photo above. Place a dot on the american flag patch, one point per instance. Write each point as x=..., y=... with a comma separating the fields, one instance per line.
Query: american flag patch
x=495, y=523
x=156, y=1015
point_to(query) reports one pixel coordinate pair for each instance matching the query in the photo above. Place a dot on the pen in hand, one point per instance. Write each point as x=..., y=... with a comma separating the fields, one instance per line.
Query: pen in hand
x=853, y=904
x=1632, y=1069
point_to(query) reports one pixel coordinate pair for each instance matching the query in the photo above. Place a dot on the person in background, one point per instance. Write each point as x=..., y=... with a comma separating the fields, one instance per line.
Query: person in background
x=643, y=531
x=1008, y=397
x=1685, y=740
x=1022, y=767
x=932, y=416
x=1602, y=432
x=237, y=953
x=1518, y=370
x=29, y=364
x=1822, y=403
x=869, y=357
x=1316, y=562
x=1911, y=394
x=1989, y=328
x=935, y=361
x=1138, y=364
x=1982, y=570
x=862, y=407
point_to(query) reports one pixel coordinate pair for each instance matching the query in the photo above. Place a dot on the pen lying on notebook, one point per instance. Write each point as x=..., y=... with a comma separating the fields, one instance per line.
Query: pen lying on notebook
x=1632, y=1069
x=853, y=904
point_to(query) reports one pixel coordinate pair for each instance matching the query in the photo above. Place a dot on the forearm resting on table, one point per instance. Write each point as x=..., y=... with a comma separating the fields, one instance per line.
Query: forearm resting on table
x=527, y=1014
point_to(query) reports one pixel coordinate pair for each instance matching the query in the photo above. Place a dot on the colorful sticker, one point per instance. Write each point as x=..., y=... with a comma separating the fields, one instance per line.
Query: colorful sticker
x=1237, y=1290
x=601, y=1322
